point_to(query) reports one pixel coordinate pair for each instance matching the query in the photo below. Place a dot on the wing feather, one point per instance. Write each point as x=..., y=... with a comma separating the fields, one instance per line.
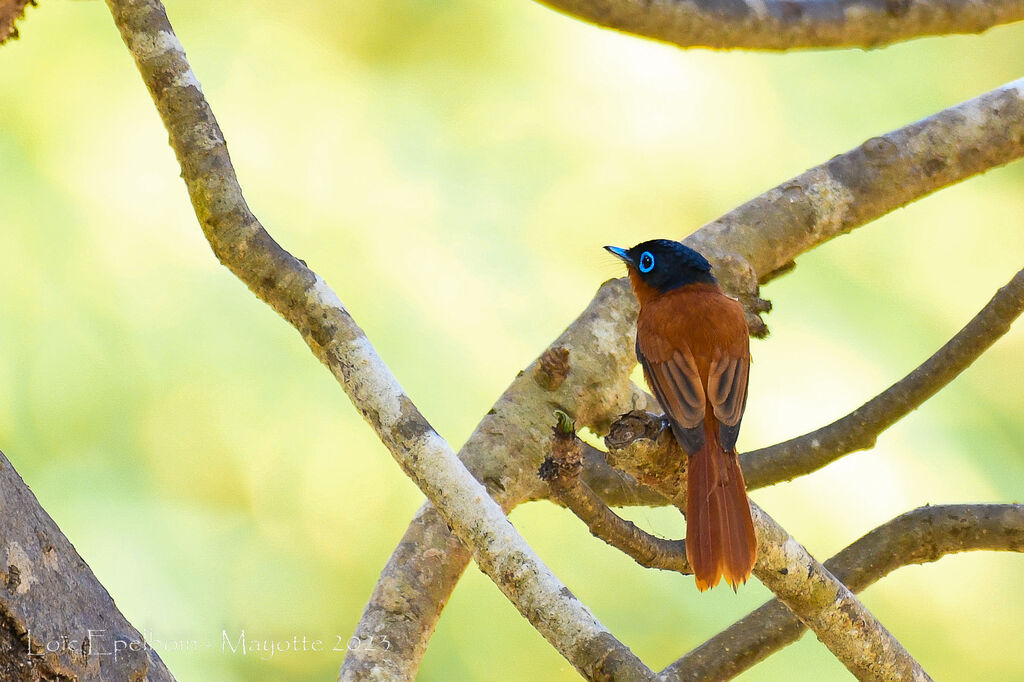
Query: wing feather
x=727, y=387
x=694, y=347
x=677, y=386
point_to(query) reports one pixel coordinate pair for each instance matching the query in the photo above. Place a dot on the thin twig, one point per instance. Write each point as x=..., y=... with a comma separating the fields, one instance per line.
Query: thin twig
x=305, y=300
x=860, y=429
x=823, y=603
x=792, y=24
x=920, y=536
x=562, y=472
x=616, y=488
x=749, y=244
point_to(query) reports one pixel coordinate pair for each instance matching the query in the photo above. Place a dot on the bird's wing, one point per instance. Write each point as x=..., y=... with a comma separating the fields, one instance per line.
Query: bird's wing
x=695, y=350
x=672, y=375
x=727, y=392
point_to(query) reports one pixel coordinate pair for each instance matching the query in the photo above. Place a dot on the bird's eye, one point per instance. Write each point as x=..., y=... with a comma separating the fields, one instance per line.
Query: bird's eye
x=646, y=262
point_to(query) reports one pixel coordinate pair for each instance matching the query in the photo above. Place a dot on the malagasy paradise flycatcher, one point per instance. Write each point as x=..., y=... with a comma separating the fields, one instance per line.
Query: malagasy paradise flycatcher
x=694, y=346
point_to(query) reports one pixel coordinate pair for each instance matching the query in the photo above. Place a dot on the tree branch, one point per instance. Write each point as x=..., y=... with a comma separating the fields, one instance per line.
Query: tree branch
x=10, y=12
x=792, y=24
x=808, y=589
x=562, y=472
x=763, y=236
x=923, y=535
x=920, y=536
x=305, y=301
x=613, y=487
x=504, y=452
x=56, y=619
x=860, y=429
x=754, y=242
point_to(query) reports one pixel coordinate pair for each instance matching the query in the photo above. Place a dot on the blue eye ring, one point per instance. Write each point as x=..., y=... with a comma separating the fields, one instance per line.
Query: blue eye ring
x=646, y=262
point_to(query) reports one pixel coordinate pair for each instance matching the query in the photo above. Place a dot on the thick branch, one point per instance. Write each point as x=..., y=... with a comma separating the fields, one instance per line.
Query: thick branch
x=752, y=243
x=305, y=300
x=52, y=607
x=791, y=24
x=920, y=536
x=504, y=452
x=860, y=429
x=808, y=589
x=764, y=235
x=828, y=607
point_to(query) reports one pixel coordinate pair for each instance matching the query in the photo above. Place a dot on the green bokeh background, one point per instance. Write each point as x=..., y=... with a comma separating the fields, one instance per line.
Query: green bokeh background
x=452, y=169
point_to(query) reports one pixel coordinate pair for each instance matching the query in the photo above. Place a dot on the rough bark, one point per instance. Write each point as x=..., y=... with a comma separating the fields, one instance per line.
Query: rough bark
x=305, y=301
x=923, y=535
x=10, y=12
x=792, y=24
x=562, y=472
x=753, y=243
x=504, y=452
x=920, y=536
x=57, y=622
x=820, y=601
x=763, y=236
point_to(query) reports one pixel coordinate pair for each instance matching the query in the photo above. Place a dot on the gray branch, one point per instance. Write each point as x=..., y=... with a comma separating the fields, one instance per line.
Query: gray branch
x=820, y=601
x=562, y=472
x=920, y=536
x=750, y=244
x=860, y=429
x=504, y=452
x=923, y=535
x=305, y=301
x=761, y=238
x=792, y=24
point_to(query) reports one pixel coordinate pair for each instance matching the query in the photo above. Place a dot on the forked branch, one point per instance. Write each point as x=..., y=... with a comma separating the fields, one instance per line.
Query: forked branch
x=562, y=472
x=860, y=429
x=920, y=536
x=749, y=244
x=821, y=602
x=304, y=300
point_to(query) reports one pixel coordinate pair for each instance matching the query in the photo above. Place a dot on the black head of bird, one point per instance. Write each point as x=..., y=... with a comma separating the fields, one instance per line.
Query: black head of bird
x=663, y=264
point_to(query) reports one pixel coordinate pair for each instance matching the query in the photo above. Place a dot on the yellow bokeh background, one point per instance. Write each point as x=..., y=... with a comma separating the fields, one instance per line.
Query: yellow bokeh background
x=452, y=169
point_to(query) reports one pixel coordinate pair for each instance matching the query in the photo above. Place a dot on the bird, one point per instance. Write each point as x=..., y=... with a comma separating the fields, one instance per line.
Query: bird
x=693, y=344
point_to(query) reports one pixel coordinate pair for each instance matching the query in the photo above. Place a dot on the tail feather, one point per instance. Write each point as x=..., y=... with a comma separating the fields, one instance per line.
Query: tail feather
x=720, y=539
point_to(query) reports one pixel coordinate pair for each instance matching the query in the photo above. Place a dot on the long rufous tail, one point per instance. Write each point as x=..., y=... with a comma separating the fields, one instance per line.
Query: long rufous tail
x=720, y=539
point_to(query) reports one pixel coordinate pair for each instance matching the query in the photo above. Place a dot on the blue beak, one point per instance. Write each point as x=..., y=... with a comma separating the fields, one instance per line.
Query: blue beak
x=620, y=252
